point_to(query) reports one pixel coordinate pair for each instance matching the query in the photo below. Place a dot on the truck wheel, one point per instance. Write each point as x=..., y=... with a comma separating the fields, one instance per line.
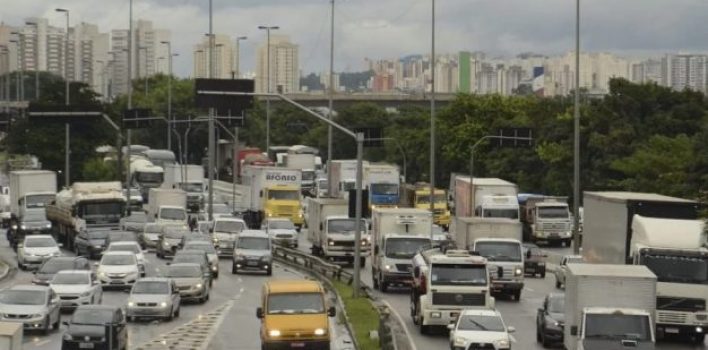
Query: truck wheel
x=517, y=295
x=384, y=286
x=543, y=274
x=423, y=328
x=699, y=338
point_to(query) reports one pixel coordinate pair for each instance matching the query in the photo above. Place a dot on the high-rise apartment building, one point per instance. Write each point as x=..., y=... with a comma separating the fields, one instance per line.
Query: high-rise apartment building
x=284, y=66
x=223, y=59
x=685, y=71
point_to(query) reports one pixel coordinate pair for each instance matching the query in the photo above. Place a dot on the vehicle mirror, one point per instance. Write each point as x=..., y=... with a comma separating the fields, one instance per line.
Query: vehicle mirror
x=332, y=311
x=416, y=271
x=321, y=226
x=574, y=330
x=500, y=272
x=376, y=250
x=451, y=326
x=259, y=312
x=54, y=301
x=510, y=329
x=260, y=193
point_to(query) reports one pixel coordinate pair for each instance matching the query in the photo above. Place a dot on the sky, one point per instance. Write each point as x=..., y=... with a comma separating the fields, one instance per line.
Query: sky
x=391, y=29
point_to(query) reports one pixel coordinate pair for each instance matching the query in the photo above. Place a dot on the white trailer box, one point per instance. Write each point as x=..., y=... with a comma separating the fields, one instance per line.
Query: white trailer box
x=468, y=229
x=299, y=161
x=160, y=199
x=342, y=177
x=332, y=232
x=31, y=188
x=468, y=202
x=189, y=178
x=614, y=295
x=260, y=178
x=11, y=335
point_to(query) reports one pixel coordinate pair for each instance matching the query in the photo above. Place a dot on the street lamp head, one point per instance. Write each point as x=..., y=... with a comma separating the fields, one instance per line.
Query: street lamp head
x=241, y=38
x=175, y=54
x=61, y=10
x=165, y=42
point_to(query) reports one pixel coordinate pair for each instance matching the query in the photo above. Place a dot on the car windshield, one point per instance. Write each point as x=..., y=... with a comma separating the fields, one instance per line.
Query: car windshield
x=149, y=177
x=308, y=175
x=188, y=259
x=556, y=304
x=54, y=266
x=122, y=259
x=133, y=248
x=385, y=189
x=97, y=234
x=101, y=213
x=40, y=242
x=228, y=226
x=92, y=316
x=295, y=303
x=38, y=200
x=149, y=287
x=206, y=247
x=184, y=271
x=173, y=214
x=499, y=251
x=284, y=195
x=405, y=248
x=281, y=224
x=481, y=323
x=553, y=212
x=71, y=278
x=23, y=297
x=678, y=268
x=501, y=213
x=425, y=199
x=343, y=226
x=617, y=326
x=255, y=243
x=458, y=274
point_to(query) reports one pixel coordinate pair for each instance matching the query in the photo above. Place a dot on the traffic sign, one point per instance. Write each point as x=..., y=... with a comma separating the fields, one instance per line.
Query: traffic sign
x=213, y=93
x=138, y=118
x=514, y=137
x=63, y=113
x=373, y=137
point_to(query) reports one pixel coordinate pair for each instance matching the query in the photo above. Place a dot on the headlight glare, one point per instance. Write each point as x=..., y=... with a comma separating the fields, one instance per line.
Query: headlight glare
x=274, y=333
x=503, y=343
x=163, y=304
x=320, y=331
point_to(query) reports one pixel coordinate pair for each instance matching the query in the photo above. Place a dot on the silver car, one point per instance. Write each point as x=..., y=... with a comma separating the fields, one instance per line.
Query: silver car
x=154, y=297
x=282, y=231
x=36, y=307
x=224, y=232
x=209, y=249
x=190, y=281
x=252, y=252
x=77, y=287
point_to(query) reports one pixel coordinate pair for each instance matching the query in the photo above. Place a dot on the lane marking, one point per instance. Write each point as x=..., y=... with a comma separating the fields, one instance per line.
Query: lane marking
x=400, y=320
x=513, y=340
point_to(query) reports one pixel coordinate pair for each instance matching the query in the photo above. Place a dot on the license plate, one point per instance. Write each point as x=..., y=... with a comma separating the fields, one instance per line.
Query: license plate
x=252, y=263
x=297, y=345
x=85, y=345
x=116, y=282
x=672, y=330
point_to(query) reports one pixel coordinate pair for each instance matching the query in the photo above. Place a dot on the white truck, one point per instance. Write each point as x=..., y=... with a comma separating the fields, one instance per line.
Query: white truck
x=384, y=184
x=86, y=205
x=547, y=219
x=398, y=234
x=167, y=206
x=306, y=163
x=145, y=175
x=609, y=307
x=498, y=240
x=444, y=284
x=189, y=178
x=486, y=197
x=30, y=192
x=342, y=177
x=11, y=335
x=275, y=192
x=661, y=233
x=332, y=233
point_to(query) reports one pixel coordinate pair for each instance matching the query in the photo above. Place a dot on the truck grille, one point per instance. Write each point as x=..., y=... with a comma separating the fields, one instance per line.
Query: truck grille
x=680, y=304
x=554, y=226
x=508, y=272
x=481, y=346
x=670, y=317
x=343, y=243
x=404, y=267
x=438, y=211
x=147, y=304
x=463, y=299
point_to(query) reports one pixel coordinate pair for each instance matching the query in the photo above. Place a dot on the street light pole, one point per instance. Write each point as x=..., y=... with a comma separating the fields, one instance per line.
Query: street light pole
x=432, y=117
x=169, y=93
x=576, y=142
x=330, y=91
x=268, y=85
x=211, y=116
x=67, y=132
x=129, y=91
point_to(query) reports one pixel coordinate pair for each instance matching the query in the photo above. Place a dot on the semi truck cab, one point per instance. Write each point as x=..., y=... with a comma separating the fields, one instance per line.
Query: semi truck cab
x=441, y=215
x=505, y=261
x=393, y=259
x=383, y=195
x=340, y=233
x=551, y=222
x=283, y=201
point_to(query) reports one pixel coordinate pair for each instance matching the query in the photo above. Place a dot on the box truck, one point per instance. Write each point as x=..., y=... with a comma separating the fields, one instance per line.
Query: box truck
x=167, y=206
x=30, y=192
x=342, y=175
x=547, y=219
x=275, y=192
x=383, y=182
x=189, y=178
x=486, y=197
x=418, y=196
x=332, y=233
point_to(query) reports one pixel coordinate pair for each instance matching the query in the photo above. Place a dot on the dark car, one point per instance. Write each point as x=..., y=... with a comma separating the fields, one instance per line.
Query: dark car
x=195, y=257
x=121, y=236
x=170, y=241
x=535, y=262
x=95, y=327
x=550, y=320
x=91, y=243
x=49, y=268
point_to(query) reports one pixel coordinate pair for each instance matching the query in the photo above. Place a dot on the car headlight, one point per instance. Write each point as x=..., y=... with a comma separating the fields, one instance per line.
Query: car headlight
x=239, y=257
x=49, y=225
x=330, y=242
x=320, y=331
x=553, y=324
x=274, y=333
x=23, y=226
x=166, y=244
x=364, y=241
x=502, y=343
x=388, y=267
x=460, y=341
x=68, y=337
x=86, y=293
x=37, y=316
x=435, y=315
x=215, y=267
x=101, y=274
x=518, y=271
x=131, y=304
x=198, y=286
x=14, y=227
x=163, y=304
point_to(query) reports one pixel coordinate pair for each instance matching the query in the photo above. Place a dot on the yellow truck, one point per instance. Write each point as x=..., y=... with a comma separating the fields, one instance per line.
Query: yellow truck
x=418, y=196
x=275, y=193
x=294, y=315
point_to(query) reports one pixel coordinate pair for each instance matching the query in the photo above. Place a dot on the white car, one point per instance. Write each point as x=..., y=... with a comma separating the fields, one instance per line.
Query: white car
x=36, y=307
x=281, y=231
x=118, y=269
x=477, y=328
x=562, y=271
x=224, y=232
x=133, y=247
x=35, y=250
x=76, y=287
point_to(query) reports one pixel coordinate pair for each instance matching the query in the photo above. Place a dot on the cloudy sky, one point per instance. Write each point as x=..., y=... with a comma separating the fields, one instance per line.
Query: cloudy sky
x=395, y=28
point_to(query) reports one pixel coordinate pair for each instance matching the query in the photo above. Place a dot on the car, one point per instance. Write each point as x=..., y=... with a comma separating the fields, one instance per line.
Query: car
x=208, y=248
x=562, y=269
x=170, y=240
x=198, y=257
x=36, y=307
x=134, y=248
x=35, y=250
x=34, y=222
x=91, y=243
x=86, y=329
x=118, y=269
x=252, y=252
x=196, y=237
x=550, y=320
x=224, y=232
x=475, y=328
x=190, y=280
x=153, y=297
x=150, y=235
x=219, y=210
x=76, y=287
x=121, y=236
x=49, y=268
x=135, y=222
x=282, y=231
x=535, y=262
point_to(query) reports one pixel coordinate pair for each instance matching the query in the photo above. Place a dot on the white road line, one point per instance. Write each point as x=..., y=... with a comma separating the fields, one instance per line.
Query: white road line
x=400, y=320
x=513, y=340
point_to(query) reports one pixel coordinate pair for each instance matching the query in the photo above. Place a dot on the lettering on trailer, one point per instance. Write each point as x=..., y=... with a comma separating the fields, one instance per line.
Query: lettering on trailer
x=280, y=177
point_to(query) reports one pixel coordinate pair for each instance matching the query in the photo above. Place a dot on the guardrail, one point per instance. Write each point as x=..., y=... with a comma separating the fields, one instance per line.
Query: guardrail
x=313, y=263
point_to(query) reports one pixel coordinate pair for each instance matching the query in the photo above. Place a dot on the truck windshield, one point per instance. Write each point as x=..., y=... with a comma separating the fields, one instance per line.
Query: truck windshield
x=149, y=177
x=308, y=175
x=385, y=189
x=425, y=198
x=173, y=214
x=678, y=269
x=499, y=251
x=101, y=213
x=458, y=274
x=553, y=212
x=343, y=226
x=295, y=303
x=39, y=200
x=405, y=248
x=501, y=213
x=284, y=195
x=191, y=187
x=617, y=326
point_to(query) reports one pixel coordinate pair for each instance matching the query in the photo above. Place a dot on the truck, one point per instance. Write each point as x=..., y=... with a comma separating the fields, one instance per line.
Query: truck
x=189, y=178
x=84, y=206
x=444, y=284
x=418, y=196
x=167, y=206
x=609, y=307
x=547, y=219
x=383, y=182
x=342, y=177
x=275, y=192
x=145, y=175
x=306, y=163
x=498, y=240
x=663, y=234
x=241, y=155
x=397, y=235
x=487, y=197
x=258, y=159
x=11, y=335
x=332, y=233
x=30, y=192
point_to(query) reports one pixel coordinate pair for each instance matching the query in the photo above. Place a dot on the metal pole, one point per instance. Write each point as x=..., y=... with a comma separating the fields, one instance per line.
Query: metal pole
x=359, y=228
x=211, y=119
x=233, y=169
x=268, y=90
x=130, y=95
x=432, y=119
x=169, y=95
x=330, y=90
x=67, y=147
x=576, y=143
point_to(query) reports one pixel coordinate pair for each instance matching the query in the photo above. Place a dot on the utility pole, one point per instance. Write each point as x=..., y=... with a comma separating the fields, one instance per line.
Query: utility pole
x=169, y=93
x=330, y=90
x=268, y=85
x=576, y=143
x=211, y=116
x=432, y=119
x=129, y=92
x=67, y=133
